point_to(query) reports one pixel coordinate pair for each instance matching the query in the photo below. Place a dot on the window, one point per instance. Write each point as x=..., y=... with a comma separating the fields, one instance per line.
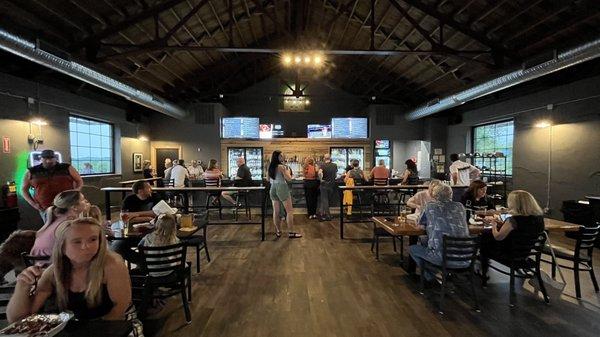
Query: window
x=91, y=146
x=495, y=137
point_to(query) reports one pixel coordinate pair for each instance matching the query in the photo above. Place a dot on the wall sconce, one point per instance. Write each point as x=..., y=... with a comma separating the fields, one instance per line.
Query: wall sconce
x=143, y=138
x=543, y=124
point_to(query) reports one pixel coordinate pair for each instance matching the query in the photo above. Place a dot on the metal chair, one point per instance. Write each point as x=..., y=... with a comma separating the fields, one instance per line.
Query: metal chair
x=455, y=251
x=581, y=257
x=199, y=242
x=213, y=199
x=239, y=196
x=525, y=257
x=170, y=260
x=381, y=200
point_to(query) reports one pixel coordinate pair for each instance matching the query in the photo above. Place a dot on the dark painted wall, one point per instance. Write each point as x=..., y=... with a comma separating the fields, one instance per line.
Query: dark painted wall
x=326, y=101
x=575, y=148
x=55, y=108
x=197, y=141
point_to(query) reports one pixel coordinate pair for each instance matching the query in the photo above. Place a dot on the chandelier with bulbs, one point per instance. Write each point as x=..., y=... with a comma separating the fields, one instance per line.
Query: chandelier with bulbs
x=303, y=59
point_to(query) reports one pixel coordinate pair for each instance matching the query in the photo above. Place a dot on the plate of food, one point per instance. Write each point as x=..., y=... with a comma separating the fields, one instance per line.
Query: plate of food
x=38, y=325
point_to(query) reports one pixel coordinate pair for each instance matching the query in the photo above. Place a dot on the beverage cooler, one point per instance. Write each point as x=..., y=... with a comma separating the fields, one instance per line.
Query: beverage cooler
x=383, y=151
x=341, y=156
x=253, y=156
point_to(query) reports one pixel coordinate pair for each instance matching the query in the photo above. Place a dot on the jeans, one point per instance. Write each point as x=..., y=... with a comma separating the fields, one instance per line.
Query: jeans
x=311, y=193
x=326, y=189
x=419, y=254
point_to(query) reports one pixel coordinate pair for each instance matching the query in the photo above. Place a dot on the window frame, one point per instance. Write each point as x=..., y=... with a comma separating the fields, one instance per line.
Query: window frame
x=112, y=142
x=511, y=146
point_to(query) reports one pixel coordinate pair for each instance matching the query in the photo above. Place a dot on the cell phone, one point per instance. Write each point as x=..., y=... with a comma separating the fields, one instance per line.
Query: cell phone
x=504, y=216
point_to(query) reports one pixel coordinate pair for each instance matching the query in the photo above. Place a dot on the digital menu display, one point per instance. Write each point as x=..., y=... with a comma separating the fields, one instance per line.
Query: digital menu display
x=270, y=131
x=318, y=131
x=239, y=127
x=349, y=127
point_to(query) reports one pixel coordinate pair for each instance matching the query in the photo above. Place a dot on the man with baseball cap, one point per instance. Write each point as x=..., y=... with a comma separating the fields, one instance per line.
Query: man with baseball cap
x=47, y=180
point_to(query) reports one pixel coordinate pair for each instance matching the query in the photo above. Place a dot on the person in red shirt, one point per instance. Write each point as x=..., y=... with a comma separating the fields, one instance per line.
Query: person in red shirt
x=48, y=179
x=380, y=171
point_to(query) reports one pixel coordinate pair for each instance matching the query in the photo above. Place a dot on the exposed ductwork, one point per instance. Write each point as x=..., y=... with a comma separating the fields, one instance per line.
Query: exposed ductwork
x=25, y=49
x=565, y=59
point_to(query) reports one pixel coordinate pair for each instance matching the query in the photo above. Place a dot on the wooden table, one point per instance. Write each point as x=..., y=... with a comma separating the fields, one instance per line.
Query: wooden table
x=374, y=189
x=186, y=190
x=411, y=230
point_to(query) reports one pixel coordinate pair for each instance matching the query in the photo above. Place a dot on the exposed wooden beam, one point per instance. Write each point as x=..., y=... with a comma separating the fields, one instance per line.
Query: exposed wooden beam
x=132, y=20
x=461, y=27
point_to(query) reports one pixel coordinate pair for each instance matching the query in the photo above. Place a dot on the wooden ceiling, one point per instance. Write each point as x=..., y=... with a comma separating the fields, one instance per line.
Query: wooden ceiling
x=195, y=49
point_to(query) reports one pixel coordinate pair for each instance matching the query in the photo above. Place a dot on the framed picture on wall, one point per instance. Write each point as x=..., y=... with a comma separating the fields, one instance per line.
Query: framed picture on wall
x=138, y=158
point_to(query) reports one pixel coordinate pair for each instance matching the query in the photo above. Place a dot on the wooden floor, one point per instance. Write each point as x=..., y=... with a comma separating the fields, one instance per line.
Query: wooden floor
x=322, y=286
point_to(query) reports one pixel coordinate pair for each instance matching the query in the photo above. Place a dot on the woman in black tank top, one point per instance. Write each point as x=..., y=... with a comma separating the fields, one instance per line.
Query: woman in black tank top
x=526, y=221
x=84, y=277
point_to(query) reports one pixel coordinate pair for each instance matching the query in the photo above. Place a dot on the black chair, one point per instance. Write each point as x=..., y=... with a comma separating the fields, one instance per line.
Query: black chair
x=381, y=200
x=168, y=259
x=581, y=257
x=199, y=242
x=31, y=260
x=455, y=250
x=358, y=195
x=380, y=232
x=525, y=256
x=242, y=195
x=213, y=199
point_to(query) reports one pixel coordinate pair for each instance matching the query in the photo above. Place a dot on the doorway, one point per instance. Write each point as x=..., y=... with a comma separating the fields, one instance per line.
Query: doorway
x=161, y=155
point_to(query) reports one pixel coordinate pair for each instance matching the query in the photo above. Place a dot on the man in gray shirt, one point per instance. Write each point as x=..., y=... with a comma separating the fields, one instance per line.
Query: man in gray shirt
x=327, y=174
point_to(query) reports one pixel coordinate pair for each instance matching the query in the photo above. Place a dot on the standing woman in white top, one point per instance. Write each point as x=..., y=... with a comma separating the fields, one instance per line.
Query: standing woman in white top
x=461, y=172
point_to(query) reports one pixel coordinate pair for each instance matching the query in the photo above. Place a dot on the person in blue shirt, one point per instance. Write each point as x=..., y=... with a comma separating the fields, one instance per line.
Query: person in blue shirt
x=440, y=217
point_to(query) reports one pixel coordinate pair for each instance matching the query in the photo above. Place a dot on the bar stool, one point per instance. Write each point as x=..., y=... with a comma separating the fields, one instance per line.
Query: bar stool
x=242, y=194
x=213, y=199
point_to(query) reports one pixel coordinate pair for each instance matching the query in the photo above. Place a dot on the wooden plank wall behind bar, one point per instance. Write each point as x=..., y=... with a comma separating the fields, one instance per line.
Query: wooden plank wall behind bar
x=301, y=147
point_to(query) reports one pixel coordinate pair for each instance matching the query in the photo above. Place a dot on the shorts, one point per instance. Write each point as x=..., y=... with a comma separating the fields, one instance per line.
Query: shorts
x=279, y=192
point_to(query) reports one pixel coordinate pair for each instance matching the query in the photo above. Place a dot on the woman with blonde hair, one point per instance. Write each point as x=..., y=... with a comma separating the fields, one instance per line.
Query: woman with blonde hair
x=525, y=220
x=164, y=234
x=67, y=205
x=85, y=277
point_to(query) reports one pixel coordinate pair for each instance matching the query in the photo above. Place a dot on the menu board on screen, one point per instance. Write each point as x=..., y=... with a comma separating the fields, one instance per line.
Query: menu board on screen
x=239, y=127
x=318, y=131
x=349, y=127
x=270, y=131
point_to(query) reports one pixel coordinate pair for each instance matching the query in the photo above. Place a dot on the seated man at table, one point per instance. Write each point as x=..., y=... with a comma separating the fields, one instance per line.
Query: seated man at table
x=440, y=217
x=243, y=178
x=421, y=198
x=139, y=204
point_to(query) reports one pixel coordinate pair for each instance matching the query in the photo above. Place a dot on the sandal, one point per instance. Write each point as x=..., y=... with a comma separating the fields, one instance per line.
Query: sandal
x=294, y=235
x=278, y=234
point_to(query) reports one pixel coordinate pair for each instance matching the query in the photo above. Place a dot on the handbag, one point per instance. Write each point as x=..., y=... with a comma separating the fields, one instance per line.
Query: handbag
x=554, y=288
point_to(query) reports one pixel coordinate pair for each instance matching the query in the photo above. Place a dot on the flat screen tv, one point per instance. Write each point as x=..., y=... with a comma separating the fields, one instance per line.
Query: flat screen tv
x=270, y=131
x=239, y=127
x=350, y=127
x=318, y=131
